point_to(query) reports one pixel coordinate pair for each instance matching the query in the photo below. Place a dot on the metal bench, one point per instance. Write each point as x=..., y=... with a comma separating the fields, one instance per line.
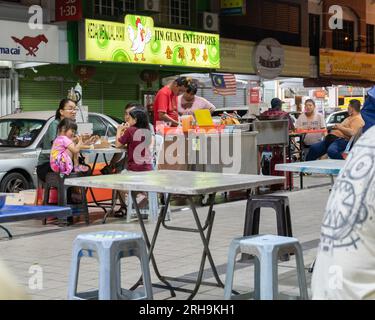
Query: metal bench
x=20, y=213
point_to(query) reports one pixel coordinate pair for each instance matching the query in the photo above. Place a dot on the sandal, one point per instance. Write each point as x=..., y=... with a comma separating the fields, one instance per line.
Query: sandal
x=81, y=168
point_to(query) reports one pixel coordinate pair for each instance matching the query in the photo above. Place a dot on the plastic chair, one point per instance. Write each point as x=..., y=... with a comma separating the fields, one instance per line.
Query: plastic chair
x=109, y=247
x=266, y=249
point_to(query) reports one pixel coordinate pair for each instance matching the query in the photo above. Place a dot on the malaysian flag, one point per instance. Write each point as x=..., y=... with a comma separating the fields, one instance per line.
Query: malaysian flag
x=224, y=84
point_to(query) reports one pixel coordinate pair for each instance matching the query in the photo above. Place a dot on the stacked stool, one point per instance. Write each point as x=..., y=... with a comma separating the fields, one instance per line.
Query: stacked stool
x=109, y=247
x=281, y=206
x=265, y=249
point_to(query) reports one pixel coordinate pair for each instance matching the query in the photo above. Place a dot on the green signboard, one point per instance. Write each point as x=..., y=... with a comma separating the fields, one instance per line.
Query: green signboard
x=138, y=41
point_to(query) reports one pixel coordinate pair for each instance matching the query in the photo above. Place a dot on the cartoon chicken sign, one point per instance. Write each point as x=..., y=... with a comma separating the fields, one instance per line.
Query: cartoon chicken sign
x=139, y=38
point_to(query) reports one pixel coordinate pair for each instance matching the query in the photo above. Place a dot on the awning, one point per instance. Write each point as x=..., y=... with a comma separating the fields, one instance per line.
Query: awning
x=329, y=82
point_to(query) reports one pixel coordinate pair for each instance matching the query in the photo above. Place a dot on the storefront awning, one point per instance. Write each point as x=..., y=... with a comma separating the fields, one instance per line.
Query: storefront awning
x=329, y=82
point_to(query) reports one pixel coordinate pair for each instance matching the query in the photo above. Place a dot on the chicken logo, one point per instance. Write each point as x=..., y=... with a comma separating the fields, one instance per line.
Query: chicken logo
x=139, y=39
x=31, y=44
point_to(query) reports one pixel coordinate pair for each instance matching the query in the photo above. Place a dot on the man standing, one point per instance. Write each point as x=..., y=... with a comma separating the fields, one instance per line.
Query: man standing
x=188, y=102
x=165, y=105
x=335, y=143
x=277, y=112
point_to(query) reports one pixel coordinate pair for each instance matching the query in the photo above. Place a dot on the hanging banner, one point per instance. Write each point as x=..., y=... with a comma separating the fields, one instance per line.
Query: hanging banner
x=138, y=41
x=350, y=65
x=68, y=10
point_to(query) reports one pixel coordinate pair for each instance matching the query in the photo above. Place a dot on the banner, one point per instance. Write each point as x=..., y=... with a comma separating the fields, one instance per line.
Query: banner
x=138, y=41
x=68, y=10
x=350, y=65
x=20, y=43
x=233, y=7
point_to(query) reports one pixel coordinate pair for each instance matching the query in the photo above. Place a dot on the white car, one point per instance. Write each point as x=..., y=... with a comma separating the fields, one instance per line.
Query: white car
x=335, y=118
x=21, y=143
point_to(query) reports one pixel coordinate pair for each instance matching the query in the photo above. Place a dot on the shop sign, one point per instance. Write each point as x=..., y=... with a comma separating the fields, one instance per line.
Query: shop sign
x=20, y=43
x=269, y=58
x=138, y=41
x=347, y=65
x=320, y=94
x=68, y=10
x=254, y=94
x=233, y=7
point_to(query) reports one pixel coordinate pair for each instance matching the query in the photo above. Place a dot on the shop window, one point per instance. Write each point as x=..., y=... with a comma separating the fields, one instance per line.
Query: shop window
x=179, y=12
x=343, y=39
x=127, y=5
x=370, y=43
x=104, y=7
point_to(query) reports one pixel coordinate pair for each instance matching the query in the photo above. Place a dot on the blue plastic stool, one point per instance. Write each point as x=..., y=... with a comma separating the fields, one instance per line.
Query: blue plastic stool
x=109, y=247
x=265, y=249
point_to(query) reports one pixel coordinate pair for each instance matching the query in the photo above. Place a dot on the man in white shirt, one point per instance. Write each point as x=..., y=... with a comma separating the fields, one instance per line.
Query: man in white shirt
x=345, y=265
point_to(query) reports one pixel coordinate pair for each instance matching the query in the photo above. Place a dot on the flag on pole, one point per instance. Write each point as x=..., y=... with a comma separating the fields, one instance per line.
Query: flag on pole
x=224, y=84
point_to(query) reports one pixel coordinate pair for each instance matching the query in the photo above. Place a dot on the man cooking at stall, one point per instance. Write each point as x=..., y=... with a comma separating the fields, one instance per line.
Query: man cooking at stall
x=188, y=102
x=165, y=105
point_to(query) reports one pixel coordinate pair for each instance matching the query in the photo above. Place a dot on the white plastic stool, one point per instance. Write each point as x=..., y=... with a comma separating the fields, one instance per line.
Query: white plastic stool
x=265, y=249
x=109, y=247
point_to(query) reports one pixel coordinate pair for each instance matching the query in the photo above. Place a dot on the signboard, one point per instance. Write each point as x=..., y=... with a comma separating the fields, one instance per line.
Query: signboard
x=254, y=95
x=347, y=65
x=233, y=7
x=68, y=10
x=138, y=41
x=20, y=43
x=269, y=58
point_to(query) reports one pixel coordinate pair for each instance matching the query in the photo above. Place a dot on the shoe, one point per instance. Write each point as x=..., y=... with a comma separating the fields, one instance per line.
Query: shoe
x=81, y=168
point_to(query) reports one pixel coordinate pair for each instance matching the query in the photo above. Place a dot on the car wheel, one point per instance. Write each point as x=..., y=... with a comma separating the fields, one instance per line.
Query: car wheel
x=14, y=183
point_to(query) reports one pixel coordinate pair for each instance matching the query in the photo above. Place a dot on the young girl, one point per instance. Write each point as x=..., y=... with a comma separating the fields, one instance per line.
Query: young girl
x=64, y=152
x=137, y=138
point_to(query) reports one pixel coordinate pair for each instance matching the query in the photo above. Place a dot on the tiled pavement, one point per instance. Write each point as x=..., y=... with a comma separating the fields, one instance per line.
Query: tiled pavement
x=177, y=254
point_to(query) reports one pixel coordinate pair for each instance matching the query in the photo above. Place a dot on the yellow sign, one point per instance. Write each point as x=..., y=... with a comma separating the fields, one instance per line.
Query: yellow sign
x=233, y=7
x=138, y=41
x=350, y=65
x=347, y=100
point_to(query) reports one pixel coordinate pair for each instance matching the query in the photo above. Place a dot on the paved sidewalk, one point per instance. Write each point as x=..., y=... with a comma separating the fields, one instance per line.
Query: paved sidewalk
x=177, y=254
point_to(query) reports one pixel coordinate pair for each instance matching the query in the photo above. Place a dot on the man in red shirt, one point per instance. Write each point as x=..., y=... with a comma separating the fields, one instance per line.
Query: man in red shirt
x=165, y=105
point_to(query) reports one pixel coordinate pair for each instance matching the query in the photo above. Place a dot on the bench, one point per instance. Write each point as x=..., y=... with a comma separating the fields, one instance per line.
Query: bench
x=20, y=213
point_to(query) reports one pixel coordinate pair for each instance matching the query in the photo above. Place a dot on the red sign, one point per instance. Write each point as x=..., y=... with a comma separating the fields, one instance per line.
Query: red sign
x=320, y=94
x=254, y=95
x=68, y=10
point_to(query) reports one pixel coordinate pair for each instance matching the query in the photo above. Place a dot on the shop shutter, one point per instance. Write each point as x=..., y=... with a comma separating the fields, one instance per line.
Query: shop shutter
x=216, y=99
x=238, y=100
x=39, y=95
x=116, y=97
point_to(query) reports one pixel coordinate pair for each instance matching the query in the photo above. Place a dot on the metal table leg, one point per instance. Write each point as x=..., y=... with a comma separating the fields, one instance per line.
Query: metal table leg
x=7, y=231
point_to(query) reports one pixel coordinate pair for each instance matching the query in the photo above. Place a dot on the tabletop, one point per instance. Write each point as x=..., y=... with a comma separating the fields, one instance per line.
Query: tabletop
x=326, y=166
x=95, y=151
x=176, y=182
x=11, y=212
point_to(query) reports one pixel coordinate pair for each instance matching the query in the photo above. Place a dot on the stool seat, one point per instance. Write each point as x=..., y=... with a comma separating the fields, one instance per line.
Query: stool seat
x=265, y=249
x=109, y=247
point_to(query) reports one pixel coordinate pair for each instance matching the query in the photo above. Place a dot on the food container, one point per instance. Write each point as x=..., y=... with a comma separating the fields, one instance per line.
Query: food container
x=187, y=122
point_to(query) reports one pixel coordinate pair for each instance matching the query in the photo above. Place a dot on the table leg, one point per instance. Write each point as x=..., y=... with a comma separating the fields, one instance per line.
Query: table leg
x=301, y=180
x=7, y=231
x=151, y=245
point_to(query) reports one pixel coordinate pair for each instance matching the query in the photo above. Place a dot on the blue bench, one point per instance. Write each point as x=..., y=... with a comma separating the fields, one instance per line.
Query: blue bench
x=20, y=213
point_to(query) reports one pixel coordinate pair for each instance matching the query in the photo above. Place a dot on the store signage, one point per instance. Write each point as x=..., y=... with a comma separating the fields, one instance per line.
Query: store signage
x=68, y=10
x=269, y=58
x=320, y=94
x=347, y=65
x=233, y=7
x=254, y=95
x=138, y=41
x=20, y=43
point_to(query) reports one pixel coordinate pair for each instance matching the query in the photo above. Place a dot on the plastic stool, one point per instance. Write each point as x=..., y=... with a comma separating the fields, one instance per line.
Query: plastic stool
x=109, y=247
x=281, y=206
x=266, y=249
x=56, y=180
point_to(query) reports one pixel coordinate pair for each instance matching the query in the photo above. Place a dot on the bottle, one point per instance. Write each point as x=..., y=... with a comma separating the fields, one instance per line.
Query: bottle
x=78, y=93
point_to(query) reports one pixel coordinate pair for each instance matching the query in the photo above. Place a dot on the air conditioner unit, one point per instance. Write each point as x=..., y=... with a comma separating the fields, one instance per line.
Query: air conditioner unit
x=210, y=21
x=149, y=5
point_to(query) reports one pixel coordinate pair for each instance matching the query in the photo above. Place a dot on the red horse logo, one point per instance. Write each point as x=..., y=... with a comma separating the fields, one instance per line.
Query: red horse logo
x=31, y=43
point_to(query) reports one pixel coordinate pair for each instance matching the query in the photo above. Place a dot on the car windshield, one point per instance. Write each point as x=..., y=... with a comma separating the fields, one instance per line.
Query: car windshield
x=338, y=117
x=19, y=133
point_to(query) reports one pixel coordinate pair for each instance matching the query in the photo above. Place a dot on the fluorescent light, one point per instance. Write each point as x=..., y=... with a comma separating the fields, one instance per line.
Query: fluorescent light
x=5, y=64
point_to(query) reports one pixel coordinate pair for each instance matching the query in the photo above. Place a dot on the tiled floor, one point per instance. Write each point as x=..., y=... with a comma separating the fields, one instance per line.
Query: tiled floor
x=48, y=249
